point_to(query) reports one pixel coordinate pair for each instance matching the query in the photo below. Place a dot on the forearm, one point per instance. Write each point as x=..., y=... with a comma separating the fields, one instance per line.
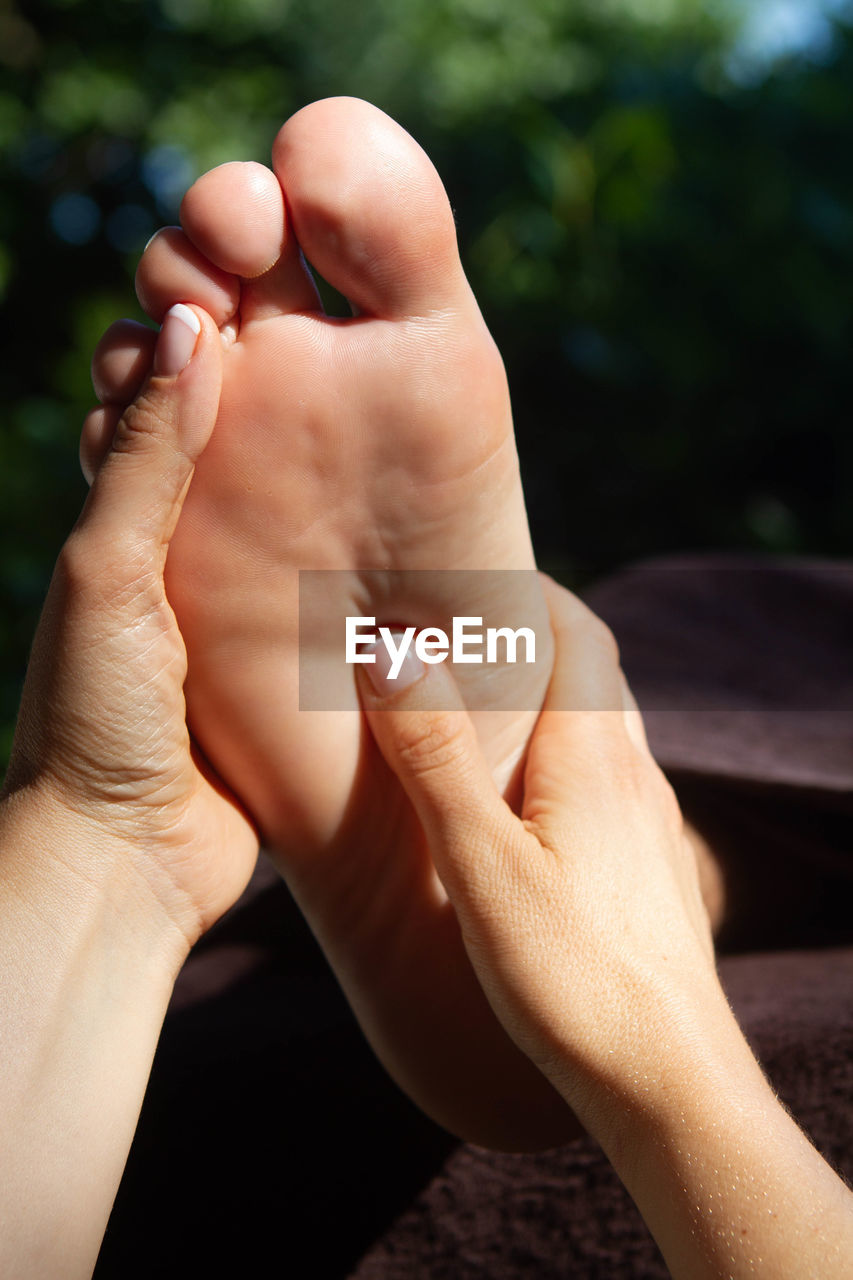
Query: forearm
x=726, y=1181
x=86, y=971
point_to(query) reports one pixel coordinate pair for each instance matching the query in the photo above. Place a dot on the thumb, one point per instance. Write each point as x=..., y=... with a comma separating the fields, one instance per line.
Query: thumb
x=140, y=486
x=426, y=736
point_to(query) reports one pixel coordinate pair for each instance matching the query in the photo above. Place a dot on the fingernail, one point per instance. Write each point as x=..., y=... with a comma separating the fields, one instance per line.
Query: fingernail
x=379, y=672
x=176, y=342
x=152, y=239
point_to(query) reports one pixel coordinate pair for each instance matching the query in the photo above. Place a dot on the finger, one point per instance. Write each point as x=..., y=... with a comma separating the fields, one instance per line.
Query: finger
x=427, y=739
x=139, y=488
x=96, y=438
x=634, y=719
x=122, y=361
x=581, y=735
x=587, y=675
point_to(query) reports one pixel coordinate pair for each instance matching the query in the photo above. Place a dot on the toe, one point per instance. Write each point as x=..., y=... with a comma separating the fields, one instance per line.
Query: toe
x=369, y=209
x=235, y=215
x=173, y=270
x=121, y=361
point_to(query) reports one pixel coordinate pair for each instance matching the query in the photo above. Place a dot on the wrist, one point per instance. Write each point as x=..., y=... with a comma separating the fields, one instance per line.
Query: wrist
x=70, y=871
x=87, y=967
x=695, y=1085
x=726, y=1181
x=673, y=1051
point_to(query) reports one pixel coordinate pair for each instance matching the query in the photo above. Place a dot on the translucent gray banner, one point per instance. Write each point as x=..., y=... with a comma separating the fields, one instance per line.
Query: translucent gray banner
x=775, y=638
x=490, y=628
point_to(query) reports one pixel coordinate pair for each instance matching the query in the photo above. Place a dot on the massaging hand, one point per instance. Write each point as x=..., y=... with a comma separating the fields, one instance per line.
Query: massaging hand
x=102, y=742
x=117, y=847
x=582, y=914
x=584, y=922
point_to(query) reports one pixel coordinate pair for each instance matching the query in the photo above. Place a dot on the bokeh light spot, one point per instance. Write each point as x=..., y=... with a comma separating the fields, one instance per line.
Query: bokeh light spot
x=75, y=218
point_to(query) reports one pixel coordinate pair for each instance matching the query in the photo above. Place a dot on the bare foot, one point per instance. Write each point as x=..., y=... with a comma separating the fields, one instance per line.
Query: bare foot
x=381, y=442
x=378, y=443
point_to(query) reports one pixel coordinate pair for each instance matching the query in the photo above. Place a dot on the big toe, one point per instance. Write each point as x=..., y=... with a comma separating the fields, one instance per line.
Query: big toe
x=368, y=209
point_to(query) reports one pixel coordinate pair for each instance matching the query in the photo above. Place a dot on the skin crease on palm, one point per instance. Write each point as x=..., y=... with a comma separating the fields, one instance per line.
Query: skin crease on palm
x=380, y=442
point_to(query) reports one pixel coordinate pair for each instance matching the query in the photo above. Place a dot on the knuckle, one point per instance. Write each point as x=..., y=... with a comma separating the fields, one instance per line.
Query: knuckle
x=600, y=638
x=656, y=794
x=73, y=571
x=670, y=808
x=108, y=575
x=431, y=744
x=576, y=620
x=142, y=422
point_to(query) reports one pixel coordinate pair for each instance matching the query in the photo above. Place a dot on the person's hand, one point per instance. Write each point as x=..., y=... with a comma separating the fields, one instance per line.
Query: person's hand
x=102, y=754
x=584, y=922
x=582, y=917
x=118, y=847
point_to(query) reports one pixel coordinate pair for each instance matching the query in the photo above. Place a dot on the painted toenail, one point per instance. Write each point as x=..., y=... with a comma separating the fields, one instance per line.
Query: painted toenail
x=176, y=342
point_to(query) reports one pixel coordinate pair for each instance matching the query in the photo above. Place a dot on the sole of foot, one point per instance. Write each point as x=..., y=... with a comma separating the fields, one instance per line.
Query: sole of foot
x=378, y=447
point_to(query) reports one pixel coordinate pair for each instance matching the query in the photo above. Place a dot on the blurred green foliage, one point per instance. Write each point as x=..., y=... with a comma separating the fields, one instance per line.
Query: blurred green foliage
x=663, y=251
